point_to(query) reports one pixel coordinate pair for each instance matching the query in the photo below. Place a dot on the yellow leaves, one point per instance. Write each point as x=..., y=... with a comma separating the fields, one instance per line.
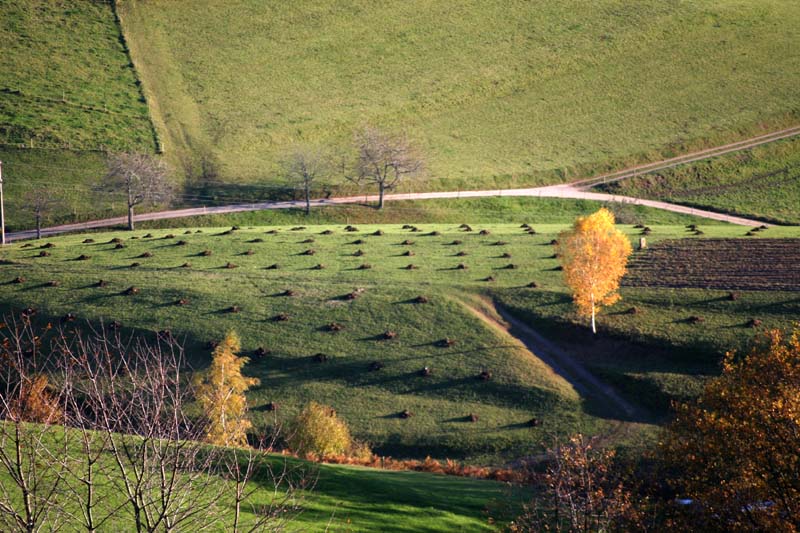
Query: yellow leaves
x=317, y=430
x=35, y=402
x=220, y=392
x=594, y=259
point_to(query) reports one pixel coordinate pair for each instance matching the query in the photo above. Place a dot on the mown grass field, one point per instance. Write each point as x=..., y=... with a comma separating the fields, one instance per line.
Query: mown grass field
x=763, y=183
x=522, y=387
x=496, y=93
x=343, y=498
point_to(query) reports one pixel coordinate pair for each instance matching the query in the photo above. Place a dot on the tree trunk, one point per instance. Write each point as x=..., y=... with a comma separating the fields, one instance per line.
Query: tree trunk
x=594, y=326
x=130, y=218
x=38, y=226
x=308, y=200
x=381, y=189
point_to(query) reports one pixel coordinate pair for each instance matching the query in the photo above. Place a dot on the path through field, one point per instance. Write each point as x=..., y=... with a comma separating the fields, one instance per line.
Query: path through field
x=574, y=190
x=559, y=360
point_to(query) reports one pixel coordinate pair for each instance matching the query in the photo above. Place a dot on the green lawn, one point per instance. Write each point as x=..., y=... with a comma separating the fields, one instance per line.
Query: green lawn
x=496, y=92
x=343, y=498
x=763, y=183
x=521, y=386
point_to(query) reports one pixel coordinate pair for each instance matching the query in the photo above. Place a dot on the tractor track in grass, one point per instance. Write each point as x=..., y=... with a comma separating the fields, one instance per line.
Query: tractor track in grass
x=573, y=190
x=562, y=363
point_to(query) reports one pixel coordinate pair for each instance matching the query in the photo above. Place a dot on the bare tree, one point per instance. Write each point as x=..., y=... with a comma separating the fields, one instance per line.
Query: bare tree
x=31, y=456
x=140, y=177
x=108, y=440
x=41, y=202
x=304, y=166
x=384, y=160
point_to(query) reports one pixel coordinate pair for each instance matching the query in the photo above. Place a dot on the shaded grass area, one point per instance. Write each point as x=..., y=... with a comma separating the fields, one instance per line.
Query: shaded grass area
x=496, y=93
x=343, y=498
x=763, y=183
x=66, y=80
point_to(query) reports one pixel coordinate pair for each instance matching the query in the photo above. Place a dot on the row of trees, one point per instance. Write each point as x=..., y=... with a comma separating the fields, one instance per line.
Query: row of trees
x=379, y=159
x=95, y=432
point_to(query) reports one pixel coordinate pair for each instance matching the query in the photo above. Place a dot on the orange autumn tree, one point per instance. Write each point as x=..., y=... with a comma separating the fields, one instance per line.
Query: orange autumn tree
x=35, y=402
x=736, y=450
x=220, y=392
x=594, y=255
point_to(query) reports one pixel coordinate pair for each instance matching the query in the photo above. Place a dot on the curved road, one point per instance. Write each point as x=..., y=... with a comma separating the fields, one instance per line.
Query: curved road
x=574, y=190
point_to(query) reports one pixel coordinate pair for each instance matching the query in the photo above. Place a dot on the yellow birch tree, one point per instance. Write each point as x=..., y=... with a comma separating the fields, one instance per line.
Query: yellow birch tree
x=594, y=255
x=220, y=392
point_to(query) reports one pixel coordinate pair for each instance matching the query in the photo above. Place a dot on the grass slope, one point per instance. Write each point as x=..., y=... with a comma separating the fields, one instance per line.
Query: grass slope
x=496, y=92
x=343, y=499
x=370, y=401
x=763, y=182
x=66, y=79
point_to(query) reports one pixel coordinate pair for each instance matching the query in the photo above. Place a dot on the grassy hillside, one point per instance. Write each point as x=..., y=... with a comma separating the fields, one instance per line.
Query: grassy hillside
x=66, y=79
x=496, y=92
x=251, y=297
x=68, y=90
x=763, y=183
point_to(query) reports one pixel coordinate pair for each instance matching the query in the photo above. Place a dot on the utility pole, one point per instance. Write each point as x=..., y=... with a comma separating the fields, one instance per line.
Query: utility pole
x=2, y=209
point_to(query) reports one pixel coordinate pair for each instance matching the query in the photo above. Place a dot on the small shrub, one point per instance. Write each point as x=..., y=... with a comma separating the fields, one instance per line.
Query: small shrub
x=320, y=358
x=187, y=232
x=695, y=320
x=88, y=241
x=408, y=253
x=319, y=267
x=44, y=253
x=280, y=317
x=411, y=266
x=147, y=236
x=554, y=242
x=317, y=430
x=461, y=253
x=272, y=232
x=115, y=326
x=69, y=317
x=499, y=243
x=434, y=234
x=206, y=253
x=130, y=291
x=117, y=240
x=461, y=266
x=472, y=417
x=326, y=232
x=83, y=257
x=19, y=280
x=484, y=232
x=421, y=299
x=248, y=252
x=446, y=342
x=101, y=283
x=365, y=266
x=510, y=266
x=308, y=241
x=375, y=366
x=407, y=242
x=119, y=246
x=334, y=327
x=289, y=292
x=466, y=227
x=525, y=225
x=754, y=323
x=505, y=255
x=145, y=255
x=182, y=302
x=186, y=265
x=533, y=285
x=359, y=242
x=168, y=236
x=377, y=233
x=534, y=422
x=489, y=278
x=273, y=266
x=358, y=253
x=271, y=406
x=230, y=265
x=254, y=241
x=53, y=283
x=260, y=352
x=732, y=296
x=388, y=335
x=405, y=414
x=298, y=228
x=633, y=311
x=350, y=228
x=485, y=375
x=135, y=264
x=310, y=251
x=233, y=309
x=181, y=243
x=425, y=372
